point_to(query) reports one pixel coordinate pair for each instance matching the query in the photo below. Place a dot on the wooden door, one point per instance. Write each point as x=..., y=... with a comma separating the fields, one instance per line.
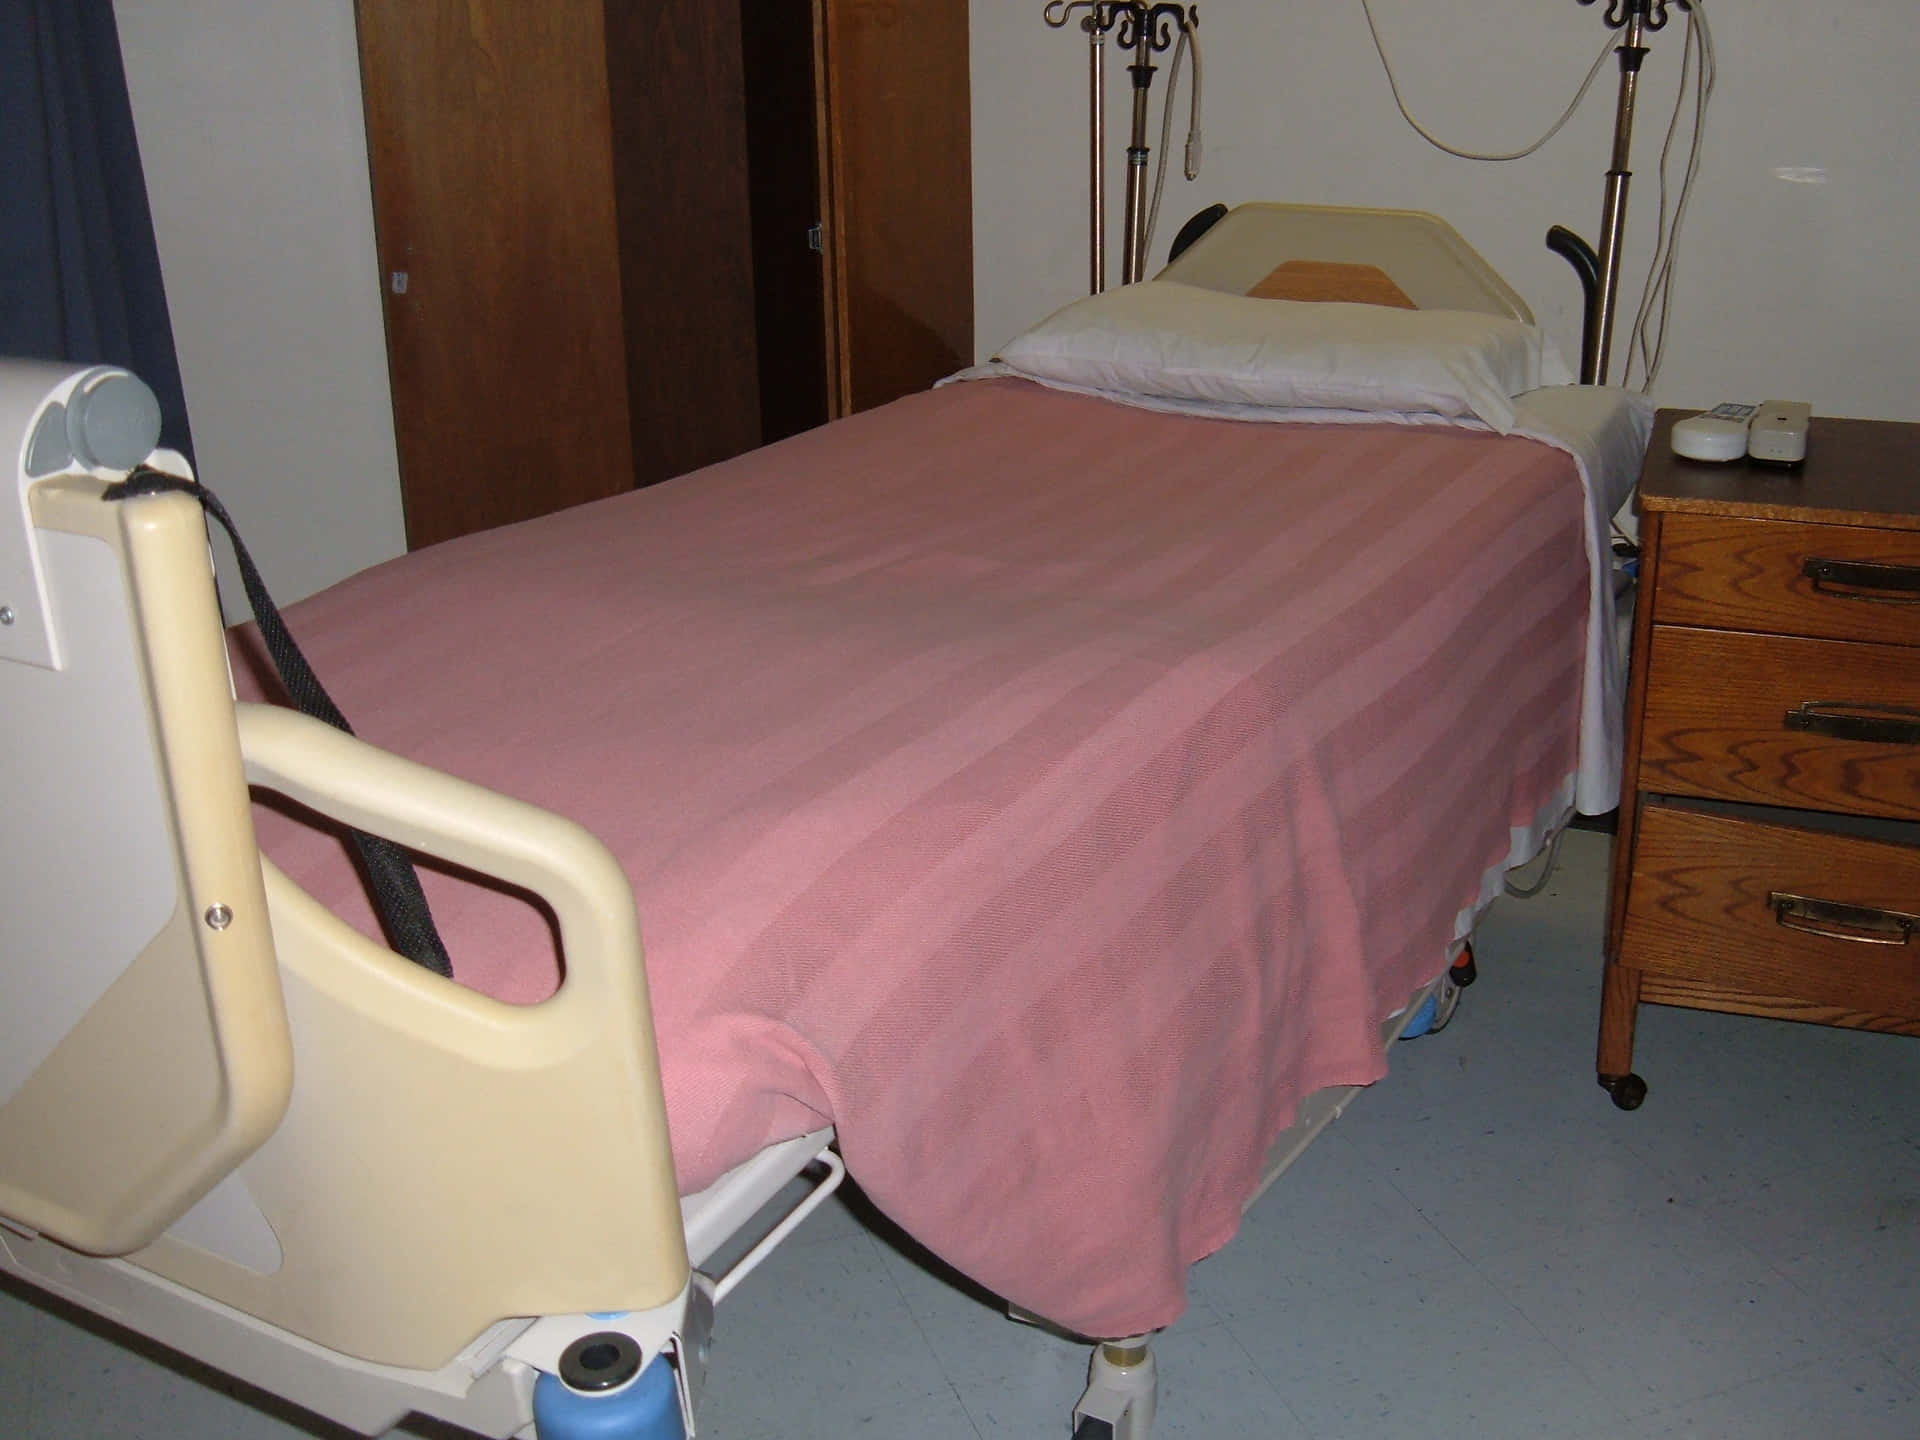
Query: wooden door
x=782, y=49
x=490, y=146
x=680, y=164
x=899, y=196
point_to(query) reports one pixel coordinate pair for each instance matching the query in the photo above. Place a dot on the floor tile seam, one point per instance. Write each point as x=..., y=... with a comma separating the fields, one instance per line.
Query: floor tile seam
x=1711, y=1192
x=1836, y=1314
x=1274, y=1387
x=1527, y=1326
x=1743, y=1260
x=1425, y=1219
x=1744, y=1257
x=998, y=1312
x=1598, y=1382
x=1301, y=1287
x=1904, y=1364
x=1637, y=1416
x=1651, y=1150
x=1677, y=1411
x=1540, y=1333
x=960, y=1399
x=1500, y=1382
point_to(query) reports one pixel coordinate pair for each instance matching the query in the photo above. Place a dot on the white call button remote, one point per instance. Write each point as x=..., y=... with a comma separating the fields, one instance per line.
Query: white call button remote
x=1718, y=434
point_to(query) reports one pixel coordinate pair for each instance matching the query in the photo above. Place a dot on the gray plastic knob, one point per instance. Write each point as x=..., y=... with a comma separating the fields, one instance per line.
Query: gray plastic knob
x=113, y=422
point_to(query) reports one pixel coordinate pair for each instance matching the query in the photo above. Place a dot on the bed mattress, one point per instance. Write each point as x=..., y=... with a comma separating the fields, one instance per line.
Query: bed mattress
x=1047, y=794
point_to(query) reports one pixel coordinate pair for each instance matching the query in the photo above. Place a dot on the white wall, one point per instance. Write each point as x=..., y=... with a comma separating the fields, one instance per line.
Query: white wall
x=251, y=136
x=250, y=126
x=1786, y=289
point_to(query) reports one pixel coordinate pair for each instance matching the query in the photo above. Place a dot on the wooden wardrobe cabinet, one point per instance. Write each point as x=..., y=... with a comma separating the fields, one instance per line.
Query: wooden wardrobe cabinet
x=622, y=239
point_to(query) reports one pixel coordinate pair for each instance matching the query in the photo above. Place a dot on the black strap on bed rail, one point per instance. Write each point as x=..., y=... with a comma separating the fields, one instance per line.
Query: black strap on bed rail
x=391, y=878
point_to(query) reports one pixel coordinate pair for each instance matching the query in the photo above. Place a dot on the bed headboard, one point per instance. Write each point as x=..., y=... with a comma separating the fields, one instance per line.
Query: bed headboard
x=1419, y=255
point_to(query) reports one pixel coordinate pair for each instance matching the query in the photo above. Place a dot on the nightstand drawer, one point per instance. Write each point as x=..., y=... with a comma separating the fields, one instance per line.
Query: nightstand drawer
x=1841, y=582
x=1776, y=910
x=1815, y=724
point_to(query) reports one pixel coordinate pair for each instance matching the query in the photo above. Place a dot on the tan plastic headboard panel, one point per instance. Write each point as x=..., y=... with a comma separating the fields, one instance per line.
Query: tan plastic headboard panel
x=1422, y=254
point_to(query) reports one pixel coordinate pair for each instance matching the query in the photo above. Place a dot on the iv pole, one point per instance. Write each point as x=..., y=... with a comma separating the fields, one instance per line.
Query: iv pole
x=1600, y=274
x=1145, y=30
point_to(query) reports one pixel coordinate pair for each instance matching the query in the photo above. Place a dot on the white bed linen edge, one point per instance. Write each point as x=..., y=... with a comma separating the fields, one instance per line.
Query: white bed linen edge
x=1602, y=427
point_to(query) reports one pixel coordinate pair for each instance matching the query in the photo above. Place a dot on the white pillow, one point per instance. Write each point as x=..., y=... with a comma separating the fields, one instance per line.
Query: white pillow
x=1162, y=338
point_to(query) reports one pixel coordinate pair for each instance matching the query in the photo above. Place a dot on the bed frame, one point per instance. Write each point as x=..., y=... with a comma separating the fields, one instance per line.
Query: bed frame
x=232, y=1123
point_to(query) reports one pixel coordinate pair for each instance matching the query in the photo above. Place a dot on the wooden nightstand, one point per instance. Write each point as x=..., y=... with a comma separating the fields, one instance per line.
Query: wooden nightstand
x=1767, y=860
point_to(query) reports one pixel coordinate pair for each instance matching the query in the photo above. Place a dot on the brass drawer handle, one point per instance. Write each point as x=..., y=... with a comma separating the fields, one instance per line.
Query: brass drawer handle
x=1843, y=720
x=1864, y=580
x=1859, y=923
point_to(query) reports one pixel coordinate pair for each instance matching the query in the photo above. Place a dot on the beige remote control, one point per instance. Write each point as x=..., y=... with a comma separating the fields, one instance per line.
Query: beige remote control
x=1778, y=431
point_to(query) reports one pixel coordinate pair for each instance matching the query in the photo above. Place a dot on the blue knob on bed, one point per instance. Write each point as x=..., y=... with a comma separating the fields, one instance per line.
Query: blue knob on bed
x=599, y=1396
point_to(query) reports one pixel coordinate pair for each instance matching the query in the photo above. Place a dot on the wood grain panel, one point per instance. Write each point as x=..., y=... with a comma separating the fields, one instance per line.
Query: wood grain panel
x=487, y=125
x=1715, y=721
x=1693, y=995
x=780, y=50
x=685, y=238
x=1750, y=575
x=1699, y=911
x=900, y=230
x=1857, y=472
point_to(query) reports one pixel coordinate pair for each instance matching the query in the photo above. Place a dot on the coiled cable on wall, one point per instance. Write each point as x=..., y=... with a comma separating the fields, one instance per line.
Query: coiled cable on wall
x=1698, y=66
x=1393, y=84
x=1189, y=34
x=1697, y=58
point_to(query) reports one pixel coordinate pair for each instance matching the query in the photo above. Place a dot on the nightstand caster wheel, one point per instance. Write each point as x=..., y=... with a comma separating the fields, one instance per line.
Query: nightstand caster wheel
x=1627, y=1090
x=1464, y=971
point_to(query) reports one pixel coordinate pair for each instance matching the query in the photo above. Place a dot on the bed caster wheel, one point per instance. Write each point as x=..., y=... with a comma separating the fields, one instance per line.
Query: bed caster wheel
x=1464, y=971
x=1627, y=1090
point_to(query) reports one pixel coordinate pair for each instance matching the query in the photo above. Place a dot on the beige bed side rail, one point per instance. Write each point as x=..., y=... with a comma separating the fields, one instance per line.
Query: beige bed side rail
x=444, y=1160
x=147, y=1044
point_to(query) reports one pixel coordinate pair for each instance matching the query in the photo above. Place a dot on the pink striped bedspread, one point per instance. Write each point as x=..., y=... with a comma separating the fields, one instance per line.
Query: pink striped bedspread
x=1047, y=794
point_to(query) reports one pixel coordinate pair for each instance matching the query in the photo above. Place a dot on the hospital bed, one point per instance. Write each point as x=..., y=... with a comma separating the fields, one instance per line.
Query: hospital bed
x=1042, y=797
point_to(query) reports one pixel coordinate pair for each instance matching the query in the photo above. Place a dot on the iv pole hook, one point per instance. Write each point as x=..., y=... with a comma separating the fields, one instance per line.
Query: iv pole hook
x=1144, y=29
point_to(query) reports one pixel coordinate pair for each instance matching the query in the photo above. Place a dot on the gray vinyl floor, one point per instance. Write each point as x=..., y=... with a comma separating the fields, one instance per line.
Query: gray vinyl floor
x=1483, y=1247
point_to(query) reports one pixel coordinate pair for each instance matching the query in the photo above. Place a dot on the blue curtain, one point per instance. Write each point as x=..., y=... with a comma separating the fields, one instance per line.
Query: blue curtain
x=79, y=270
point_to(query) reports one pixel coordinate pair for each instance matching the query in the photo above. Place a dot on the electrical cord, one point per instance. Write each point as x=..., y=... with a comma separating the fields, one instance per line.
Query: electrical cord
x=1698, y=61
x=1393, y=84
x=1527, y=892
x=1698, y=65
x=1188, y=33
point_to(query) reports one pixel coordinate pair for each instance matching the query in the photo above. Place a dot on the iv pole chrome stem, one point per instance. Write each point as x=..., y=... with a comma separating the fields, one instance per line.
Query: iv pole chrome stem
x=1133, y=261
x=1143, y=29
x=1097, y=127
x=1613, y=215
x=1600, y=273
